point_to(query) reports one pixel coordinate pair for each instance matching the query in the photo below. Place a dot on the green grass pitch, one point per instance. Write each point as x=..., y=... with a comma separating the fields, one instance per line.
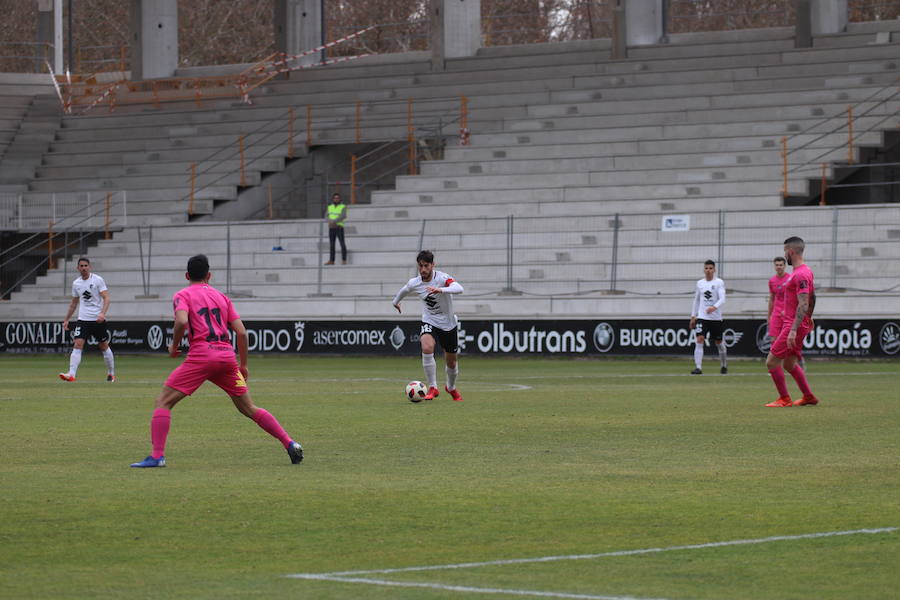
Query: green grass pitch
x=544, y=458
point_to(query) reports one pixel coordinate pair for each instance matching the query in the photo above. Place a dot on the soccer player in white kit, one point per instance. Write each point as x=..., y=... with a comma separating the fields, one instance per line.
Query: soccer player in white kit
x=706, y=316
x=91, y=297
x=435, y=288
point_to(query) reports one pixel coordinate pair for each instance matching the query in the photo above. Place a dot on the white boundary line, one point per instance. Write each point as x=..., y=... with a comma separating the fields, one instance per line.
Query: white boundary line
x=465, y=588
x=352, y=576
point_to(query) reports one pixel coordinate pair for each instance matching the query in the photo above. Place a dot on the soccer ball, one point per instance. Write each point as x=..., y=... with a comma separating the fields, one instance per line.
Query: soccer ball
x=416, y=391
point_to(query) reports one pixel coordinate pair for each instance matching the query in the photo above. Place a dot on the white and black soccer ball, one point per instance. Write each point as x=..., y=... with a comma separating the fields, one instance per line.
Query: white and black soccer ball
x=416, y=391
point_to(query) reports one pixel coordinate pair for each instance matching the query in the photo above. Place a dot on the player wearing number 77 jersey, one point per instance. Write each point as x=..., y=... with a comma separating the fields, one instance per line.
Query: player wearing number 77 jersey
x=206, y=314
x=435, y=288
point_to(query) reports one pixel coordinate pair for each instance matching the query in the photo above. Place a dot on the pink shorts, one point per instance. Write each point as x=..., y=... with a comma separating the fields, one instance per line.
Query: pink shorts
x=779, y=346
x=775, y=324
x=191, y=374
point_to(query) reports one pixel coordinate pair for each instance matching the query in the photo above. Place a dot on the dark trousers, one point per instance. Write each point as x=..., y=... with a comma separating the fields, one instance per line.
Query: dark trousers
x=336, y=233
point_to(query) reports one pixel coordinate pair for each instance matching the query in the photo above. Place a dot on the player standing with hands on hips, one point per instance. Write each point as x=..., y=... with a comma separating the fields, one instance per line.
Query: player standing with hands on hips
x=435, y=288
x=706, y=316
x=91, y=297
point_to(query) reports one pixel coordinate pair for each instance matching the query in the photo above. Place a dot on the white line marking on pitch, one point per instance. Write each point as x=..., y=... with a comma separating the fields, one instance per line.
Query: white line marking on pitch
x=517, y=561
x=350, y=576
x=465, y=588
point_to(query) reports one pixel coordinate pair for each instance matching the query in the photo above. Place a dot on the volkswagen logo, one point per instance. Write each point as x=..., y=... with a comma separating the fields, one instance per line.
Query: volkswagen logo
x=397, y=337
x=604, y=337
x=155, y=337
x=890, y=338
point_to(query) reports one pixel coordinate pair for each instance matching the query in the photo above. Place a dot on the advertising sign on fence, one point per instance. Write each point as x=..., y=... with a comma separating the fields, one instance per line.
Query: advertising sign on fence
x=583, y=337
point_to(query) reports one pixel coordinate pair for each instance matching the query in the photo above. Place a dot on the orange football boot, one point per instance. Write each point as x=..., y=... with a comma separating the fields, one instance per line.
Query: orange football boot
x=783, y=402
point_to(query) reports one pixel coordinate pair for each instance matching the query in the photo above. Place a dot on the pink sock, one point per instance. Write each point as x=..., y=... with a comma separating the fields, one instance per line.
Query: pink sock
x=270, y=424
x=799, y=376
x=780, y=384
x=159, y=430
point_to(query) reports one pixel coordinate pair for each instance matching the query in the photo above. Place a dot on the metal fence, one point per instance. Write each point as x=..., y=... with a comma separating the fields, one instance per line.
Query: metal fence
x=85, y=210
x=640, y=254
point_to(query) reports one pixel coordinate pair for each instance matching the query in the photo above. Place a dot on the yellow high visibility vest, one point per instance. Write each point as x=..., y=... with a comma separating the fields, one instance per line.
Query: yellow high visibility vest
x=334, y=211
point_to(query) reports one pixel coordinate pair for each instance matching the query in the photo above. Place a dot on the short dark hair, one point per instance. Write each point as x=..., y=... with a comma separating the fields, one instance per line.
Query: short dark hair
x=198, y=267
x=796, y=243
x=338, y=194
x=83, y=259
x=779, y=259
x=425, y=256
x=710, y=262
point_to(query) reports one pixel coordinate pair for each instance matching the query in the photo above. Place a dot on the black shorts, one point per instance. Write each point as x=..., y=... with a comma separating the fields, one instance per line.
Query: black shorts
x=90, y=331
x=709, y=329
x=449, y=340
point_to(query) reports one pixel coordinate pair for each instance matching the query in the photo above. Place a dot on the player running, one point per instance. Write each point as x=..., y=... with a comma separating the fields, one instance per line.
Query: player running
x=91, y=296
x=799, y=302
x=207, y=314
x=706, y=316
x=435, y=288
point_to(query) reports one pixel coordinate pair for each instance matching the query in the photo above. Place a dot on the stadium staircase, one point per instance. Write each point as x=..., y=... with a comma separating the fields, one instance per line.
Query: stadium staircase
x=571, y=156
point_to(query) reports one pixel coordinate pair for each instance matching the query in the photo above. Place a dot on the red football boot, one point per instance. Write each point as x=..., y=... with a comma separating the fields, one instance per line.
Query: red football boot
x=67, y=377
x=783, y=402
x=433, y=393
x=457, y=397
x=807, y=401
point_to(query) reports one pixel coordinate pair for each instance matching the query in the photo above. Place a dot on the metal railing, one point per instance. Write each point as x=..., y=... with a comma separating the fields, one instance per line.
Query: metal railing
x=276, y=138
x=849, y=248
x=65, y=224
x=24, y=57
x=877, y=110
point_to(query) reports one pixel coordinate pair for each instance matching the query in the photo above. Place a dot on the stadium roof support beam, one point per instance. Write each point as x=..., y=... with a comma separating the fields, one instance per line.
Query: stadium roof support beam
x=455, y=30
x=298, y=27
x=154, y=36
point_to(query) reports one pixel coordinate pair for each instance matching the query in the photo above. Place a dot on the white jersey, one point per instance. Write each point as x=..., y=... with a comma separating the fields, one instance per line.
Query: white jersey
x=88, y=291
x=709, y=293
x=437, y=309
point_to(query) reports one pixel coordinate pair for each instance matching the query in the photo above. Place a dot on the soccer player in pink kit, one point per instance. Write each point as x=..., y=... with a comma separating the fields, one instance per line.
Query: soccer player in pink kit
x=799, y=302
x=207, y=314
x=439, y=322
x=776, y=297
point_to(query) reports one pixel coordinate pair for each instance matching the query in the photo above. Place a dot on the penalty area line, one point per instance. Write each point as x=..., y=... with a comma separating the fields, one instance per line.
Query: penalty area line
x=540, y=559
x=462, y=588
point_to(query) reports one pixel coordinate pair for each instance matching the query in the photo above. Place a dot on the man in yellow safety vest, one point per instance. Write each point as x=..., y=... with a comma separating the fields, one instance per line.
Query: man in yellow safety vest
x=337, y=214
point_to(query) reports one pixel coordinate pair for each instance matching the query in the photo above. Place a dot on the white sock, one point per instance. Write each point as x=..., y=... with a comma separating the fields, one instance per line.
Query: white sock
x=723, y=358
x=698, y=355
x=430, y=369
x=110, y=361
x=451, y=377
x=74, y=361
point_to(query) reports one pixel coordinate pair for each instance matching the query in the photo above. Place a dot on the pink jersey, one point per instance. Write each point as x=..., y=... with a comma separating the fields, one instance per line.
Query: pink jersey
x=776, y=288
x=801, y=282
x=209, y=313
